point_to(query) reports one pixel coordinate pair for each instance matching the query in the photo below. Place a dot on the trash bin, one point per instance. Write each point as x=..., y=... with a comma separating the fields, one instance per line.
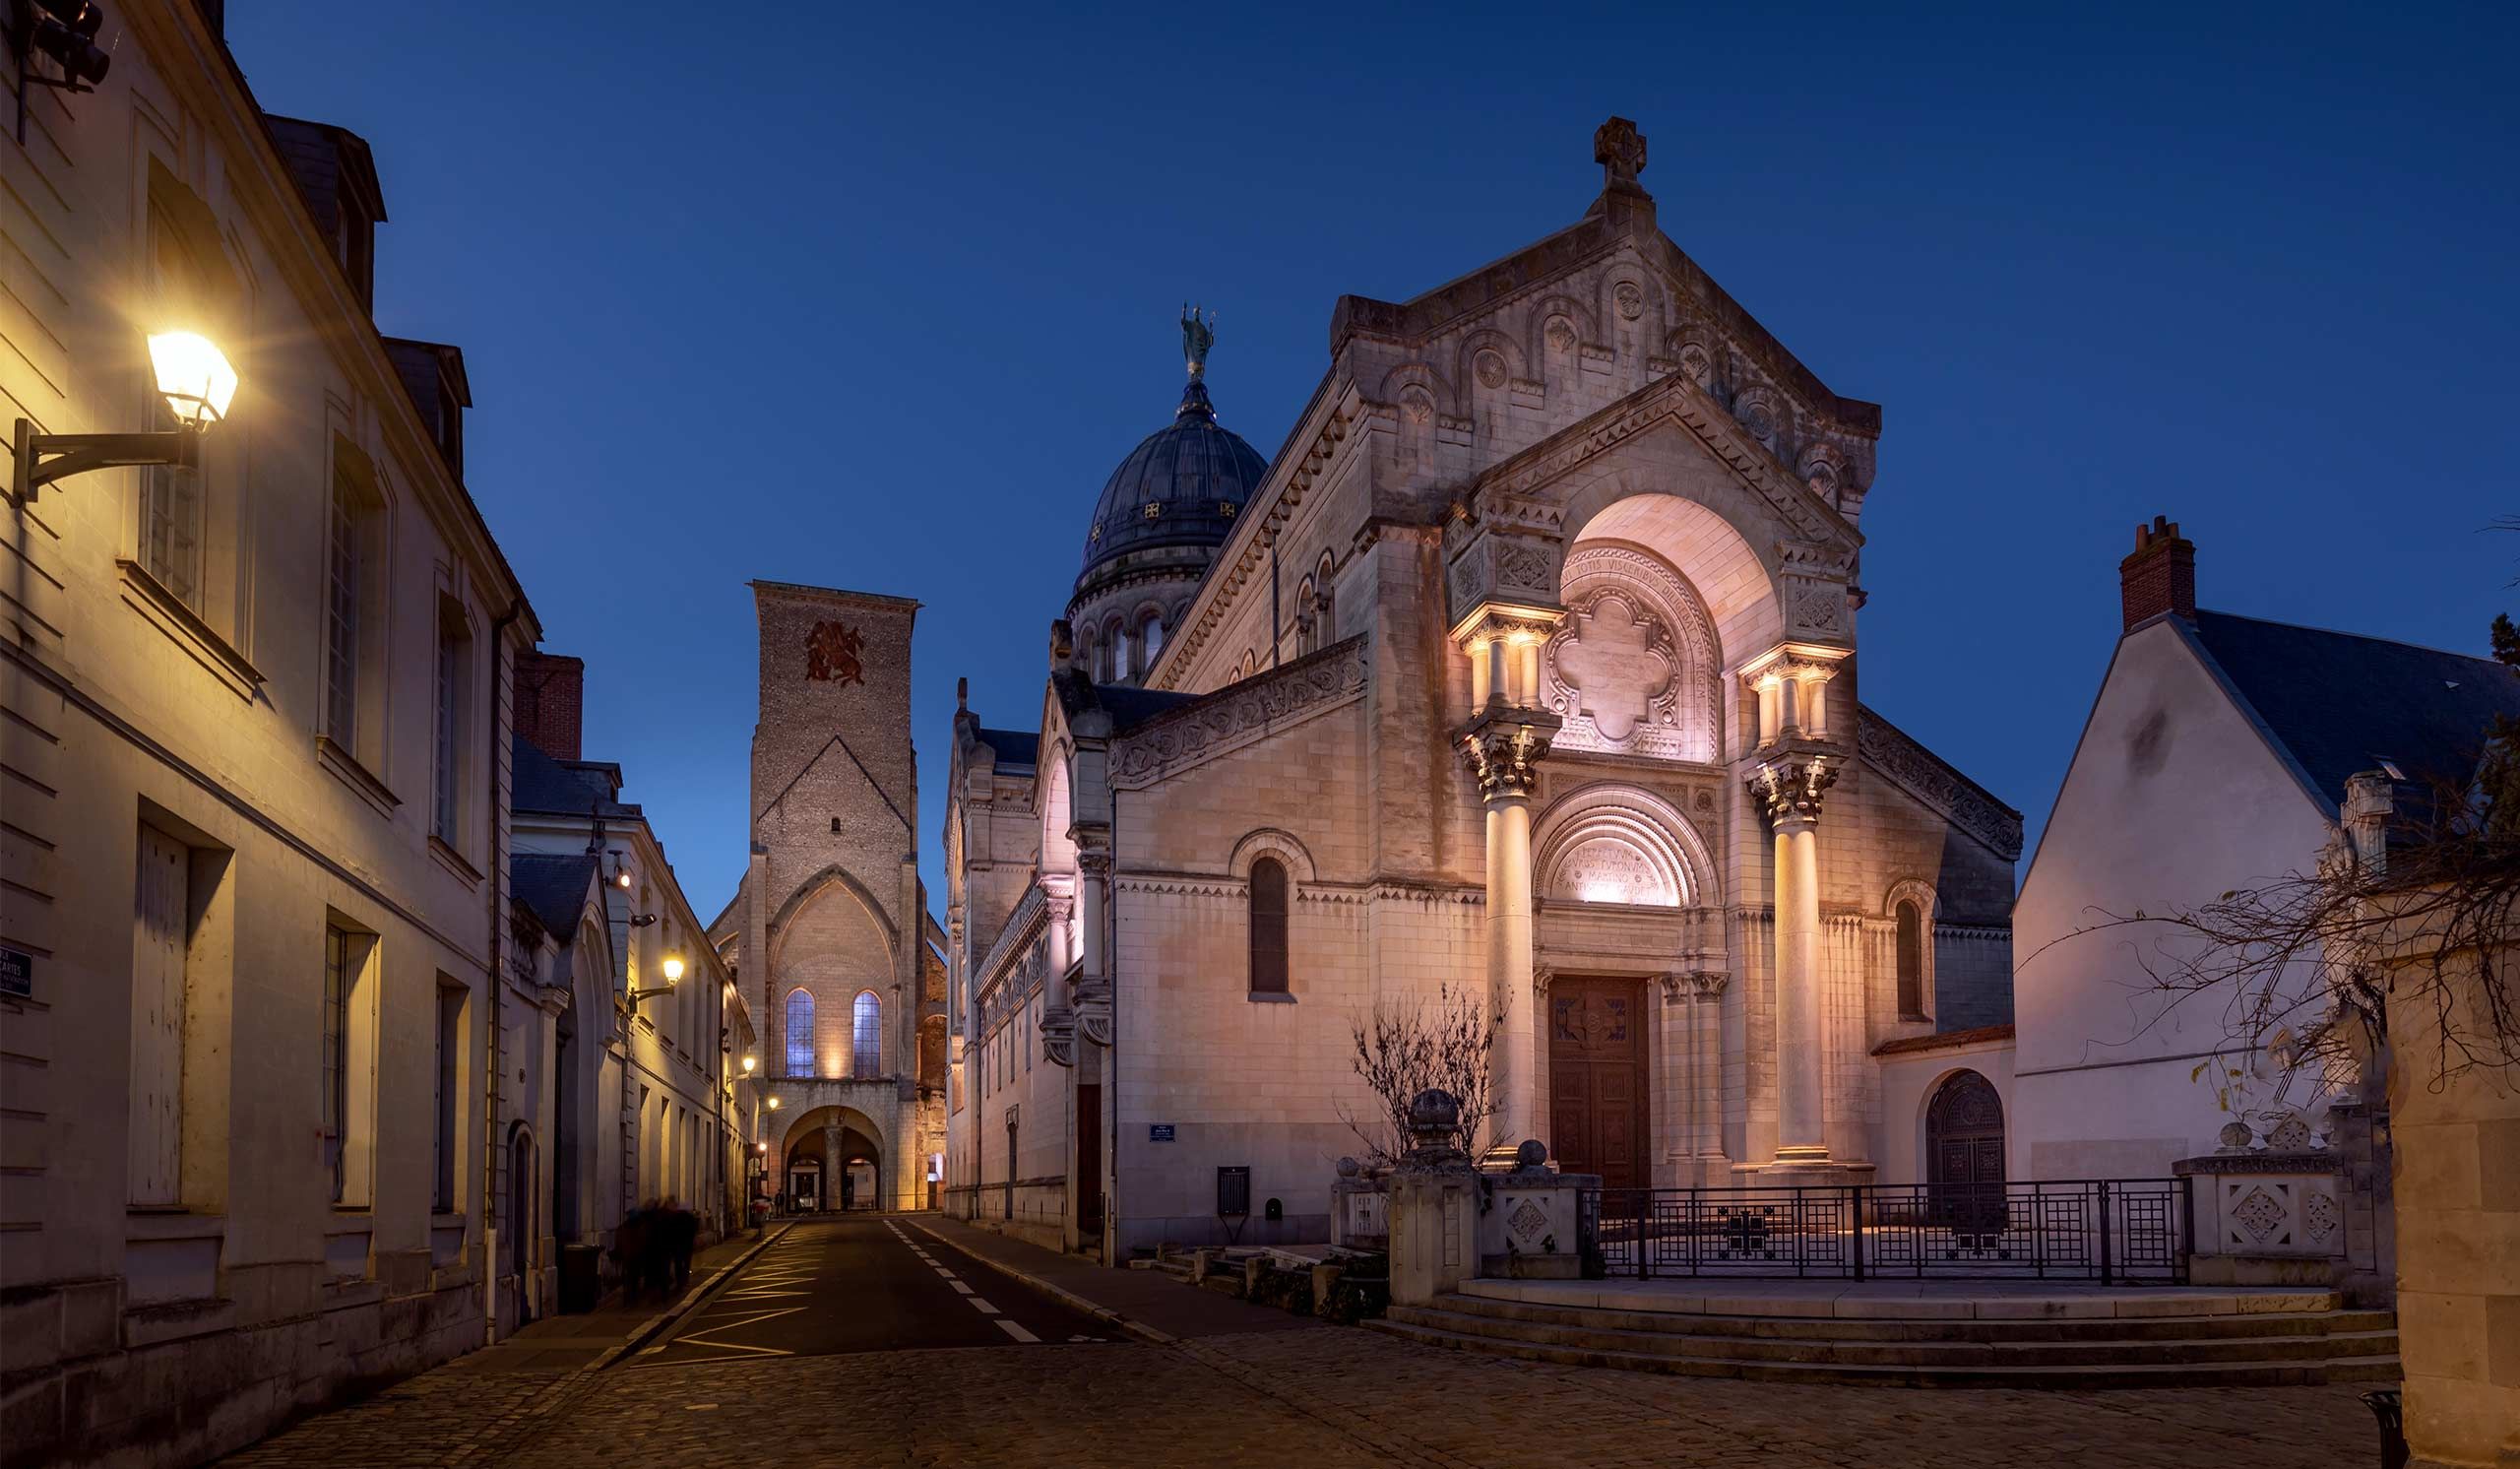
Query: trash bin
x=2388, y=1405
x=581, y=1278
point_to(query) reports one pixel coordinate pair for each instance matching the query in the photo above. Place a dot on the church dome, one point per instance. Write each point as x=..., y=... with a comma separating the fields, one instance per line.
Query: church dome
x=1180, y=487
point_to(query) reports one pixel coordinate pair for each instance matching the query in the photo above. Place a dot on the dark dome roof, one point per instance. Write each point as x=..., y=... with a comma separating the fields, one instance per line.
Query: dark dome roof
x=1181, y=487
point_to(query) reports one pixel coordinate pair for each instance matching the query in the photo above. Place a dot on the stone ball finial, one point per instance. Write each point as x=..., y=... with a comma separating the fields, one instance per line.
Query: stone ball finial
x=2236, y=1137
x=1433, y=1113
x=1531, y=1155
x=1348, y=1168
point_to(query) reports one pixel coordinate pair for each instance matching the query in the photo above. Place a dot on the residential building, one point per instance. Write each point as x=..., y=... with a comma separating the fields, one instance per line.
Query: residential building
x=253, y=779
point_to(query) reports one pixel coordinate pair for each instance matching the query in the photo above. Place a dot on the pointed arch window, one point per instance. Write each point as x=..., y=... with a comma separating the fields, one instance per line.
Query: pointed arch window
x=1269, y=926
x=866, y=1036
x=801, y=1033
x=1911, y=961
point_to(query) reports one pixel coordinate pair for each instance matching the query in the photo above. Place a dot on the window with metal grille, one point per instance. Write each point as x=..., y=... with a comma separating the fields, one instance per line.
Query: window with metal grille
x=445, y=812
x=170, y=516
x=1268, y=927
x=866, y=1036
x=1912, y=963
x=801, y=1033
x=340, y=622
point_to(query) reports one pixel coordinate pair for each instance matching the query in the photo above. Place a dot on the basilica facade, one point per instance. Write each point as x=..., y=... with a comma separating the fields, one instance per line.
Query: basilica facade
x=1529, y=669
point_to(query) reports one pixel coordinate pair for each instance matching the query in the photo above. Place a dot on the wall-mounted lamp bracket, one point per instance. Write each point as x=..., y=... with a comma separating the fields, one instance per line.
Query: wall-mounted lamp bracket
x=43, y=458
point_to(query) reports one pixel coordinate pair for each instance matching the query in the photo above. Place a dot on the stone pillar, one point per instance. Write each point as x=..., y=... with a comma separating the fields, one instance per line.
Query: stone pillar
x=832, y=1166
x=1707, y=1021
x=1503, y=749
x=1434, y=1207
x=1790, y=791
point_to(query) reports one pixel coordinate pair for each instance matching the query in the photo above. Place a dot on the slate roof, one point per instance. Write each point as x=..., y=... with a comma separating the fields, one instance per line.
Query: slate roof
x=557, y=788
x=552, y=888
x=1013, y=747
x=1128, y=707
x=2335, y=705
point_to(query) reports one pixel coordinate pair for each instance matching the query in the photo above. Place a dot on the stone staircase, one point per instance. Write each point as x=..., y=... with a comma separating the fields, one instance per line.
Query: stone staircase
x=2244, y=1342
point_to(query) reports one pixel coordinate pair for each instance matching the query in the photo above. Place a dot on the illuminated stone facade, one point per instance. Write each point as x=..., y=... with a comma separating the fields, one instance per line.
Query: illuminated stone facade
x=1528, y=668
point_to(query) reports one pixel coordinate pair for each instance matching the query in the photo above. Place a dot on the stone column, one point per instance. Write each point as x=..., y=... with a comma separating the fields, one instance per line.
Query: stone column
x=1788, y=792
x=832, y=1166
x=1503, y=749
x=1706, y=1022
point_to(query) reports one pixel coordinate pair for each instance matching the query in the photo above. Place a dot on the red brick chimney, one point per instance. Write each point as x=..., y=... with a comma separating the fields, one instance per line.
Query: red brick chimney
x=2160, y=576
x=551, y=702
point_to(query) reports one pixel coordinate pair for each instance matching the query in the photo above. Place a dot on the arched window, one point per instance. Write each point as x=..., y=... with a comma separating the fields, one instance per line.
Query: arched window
x=866, y=1036
x=1151, y=640
x=1323, y=614
x=1911, y=961
x=801, y=1033
x=1268, y=927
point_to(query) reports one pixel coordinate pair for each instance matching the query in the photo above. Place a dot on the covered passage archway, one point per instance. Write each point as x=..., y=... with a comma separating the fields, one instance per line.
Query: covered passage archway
x=832, y=1159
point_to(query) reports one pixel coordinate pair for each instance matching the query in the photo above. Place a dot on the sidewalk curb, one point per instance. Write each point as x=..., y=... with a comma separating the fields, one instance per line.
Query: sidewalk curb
x=1060, y=1294
x=655, y=1326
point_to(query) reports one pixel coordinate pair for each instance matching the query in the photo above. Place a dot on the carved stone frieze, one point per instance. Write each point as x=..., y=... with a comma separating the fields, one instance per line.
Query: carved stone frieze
x=1500, y=567
x=1790, y=790
x=1922, y=774
x=1234, y=717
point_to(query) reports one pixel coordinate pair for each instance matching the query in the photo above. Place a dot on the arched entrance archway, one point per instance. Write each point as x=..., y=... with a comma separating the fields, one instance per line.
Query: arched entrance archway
x=832, y=1159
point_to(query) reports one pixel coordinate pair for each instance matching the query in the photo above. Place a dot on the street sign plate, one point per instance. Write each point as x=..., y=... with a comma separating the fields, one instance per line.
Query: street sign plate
x=17, y=973
x=1159, y=1131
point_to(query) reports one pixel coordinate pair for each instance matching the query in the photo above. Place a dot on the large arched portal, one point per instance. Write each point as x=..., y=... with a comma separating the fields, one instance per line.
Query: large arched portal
x=832, y=1159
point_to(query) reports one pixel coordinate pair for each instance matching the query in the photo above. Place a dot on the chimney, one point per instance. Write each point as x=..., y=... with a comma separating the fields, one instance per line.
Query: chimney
x=2161, y=576
x=551, y=702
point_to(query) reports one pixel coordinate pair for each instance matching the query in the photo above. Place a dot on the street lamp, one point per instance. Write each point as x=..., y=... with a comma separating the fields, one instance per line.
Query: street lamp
x=750, y=1062
x=673, y=976
x=194, y=378
x=771, y=1101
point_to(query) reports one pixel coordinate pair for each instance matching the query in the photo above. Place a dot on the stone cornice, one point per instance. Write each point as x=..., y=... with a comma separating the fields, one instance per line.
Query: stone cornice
x=1031, y=915
x=1238, y=714
x=1924, y=775
x=1503, y=491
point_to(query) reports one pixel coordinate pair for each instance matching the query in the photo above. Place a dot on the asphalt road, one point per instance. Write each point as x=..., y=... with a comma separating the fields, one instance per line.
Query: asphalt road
x=865, y=1285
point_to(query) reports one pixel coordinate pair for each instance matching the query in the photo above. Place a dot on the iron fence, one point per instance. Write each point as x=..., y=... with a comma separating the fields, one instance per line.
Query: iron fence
x=2109, y=1230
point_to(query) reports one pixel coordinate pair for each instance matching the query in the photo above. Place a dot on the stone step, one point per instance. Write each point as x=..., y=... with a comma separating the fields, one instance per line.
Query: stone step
x=1917, y=1353
x=2117, y=1376
x=1856, y=1328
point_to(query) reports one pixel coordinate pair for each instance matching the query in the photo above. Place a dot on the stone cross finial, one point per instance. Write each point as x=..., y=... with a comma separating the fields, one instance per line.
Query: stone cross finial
x=1620, y=151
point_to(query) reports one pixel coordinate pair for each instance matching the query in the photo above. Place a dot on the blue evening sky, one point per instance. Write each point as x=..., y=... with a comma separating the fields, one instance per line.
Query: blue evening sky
x=875, y=296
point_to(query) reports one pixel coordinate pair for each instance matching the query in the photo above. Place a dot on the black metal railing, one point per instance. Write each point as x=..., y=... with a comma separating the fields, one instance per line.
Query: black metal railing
x=2108, y=1230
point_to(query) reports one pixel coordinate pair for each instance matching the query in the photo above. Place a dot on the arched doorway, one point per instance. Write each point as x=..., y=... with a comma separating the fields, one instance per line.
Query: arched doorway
x=1965, y=1153
x=833, y=1158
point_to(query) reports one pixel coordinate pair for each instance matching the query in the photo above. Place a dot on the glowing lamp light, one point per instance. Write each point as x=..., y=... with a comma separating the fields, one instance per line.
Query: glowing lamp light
x=749, y=1063
x=673, y=969
x=774, y=1103
x=193, y=376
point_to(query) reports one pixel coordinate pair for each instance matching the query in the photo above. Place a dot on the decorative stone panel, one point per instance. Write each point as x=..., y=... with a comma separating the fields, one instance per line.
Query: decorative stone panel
x=1633, y=669
x=1238, y=714
x=2278, y=1205
x=1495, y=566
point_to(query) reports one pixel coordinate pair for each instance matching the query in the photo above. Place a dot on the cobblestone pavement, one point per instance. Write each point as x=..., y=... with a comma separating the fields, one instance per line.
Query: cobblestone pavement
x=1325, y=1399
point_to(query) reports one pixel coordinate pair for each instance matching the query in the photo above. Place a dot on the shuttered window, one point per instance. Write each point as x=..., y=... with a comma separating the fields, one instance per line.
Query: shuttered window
x=158, y=1020
x=1268, y=927
x=338, y=978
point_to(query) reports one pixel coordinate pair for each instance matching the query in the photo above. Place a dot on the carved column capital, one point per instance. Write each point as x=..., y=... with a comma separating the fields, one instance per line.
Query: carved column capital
x=1672, y=983
x=1094, y=864
x=1707, y=983
x=1541, y=974
x=1060, y=906
x=1788, y=792
x=1503, y=749
x=1014, y=1114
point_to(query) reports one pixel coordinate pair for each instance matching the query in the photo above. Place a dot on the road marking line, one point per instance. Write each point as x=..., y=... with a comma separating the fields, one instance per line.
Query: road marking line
x=959, y=1287
x=1015, y=1331
x=983, y=1306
